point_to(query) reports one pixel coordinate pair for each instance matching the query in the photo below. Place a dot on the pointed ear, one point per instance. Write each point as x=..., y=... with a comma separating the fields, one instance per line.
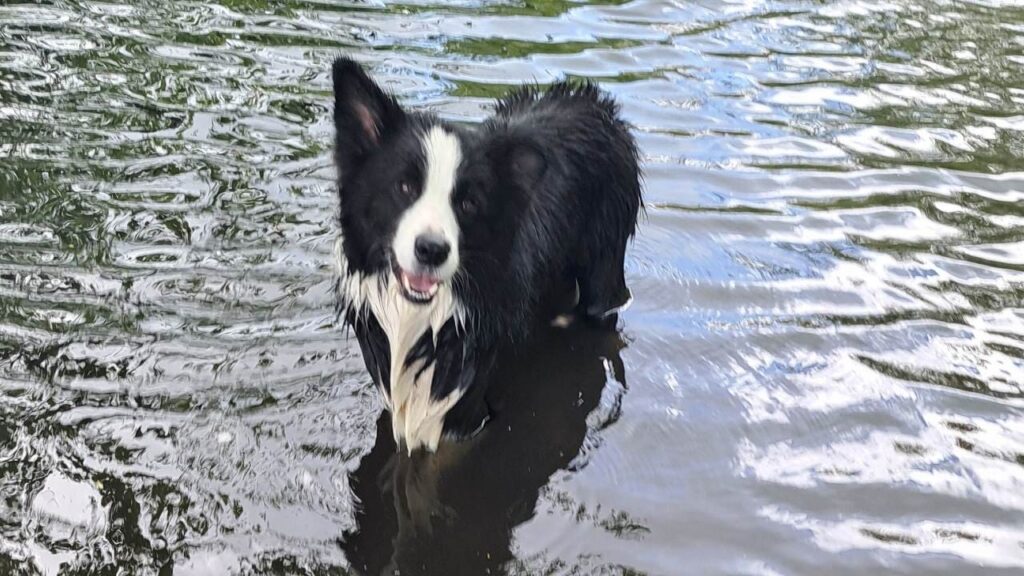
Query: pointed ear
x=363, y=114
x=519, y=160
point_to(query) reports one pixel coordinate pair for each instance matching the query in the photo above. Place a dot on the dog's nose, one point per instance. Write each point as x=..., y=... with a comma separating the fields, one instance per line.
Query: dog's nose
x=431, y=249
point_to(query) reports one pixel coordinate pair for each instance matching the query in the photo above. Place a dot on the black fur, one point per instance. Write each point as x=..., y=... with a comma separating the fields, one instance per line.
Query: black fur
x=547, y=194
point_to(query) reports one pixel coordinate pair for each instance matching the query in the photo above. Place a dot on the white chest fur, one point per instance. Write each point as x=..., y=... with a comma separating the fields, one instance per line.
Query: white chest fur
x=416, y=418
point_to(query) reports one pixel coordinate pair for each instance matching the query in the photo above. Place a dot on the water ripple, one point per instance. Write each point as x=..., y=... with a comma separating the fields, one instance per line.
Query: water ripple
x=825, y=354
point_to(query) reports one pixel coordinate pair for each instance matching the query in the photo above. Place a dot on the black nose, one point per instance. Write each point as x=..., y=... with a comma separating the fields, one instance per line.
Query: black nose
x=431, y=249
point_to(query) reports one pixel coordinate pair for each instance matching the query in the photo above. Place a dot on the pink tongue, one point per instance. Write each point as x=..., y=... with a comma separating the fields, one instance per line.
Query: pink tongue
x=423, y=284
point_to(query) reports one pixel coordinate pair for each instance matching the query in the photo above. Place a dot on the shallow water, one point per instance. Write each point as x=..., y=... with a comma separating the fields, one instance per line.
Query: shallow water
x=822, y=372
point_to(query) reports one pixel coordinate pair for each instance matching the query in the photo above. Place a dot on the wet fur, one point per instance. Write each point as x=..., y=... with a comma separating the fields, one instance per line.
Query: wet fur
x=548, y=192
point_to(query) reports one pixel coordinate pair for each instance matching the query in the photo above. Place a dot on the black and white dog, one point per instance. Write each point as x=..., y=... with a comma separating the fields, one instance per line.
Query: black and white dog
x=454, y=241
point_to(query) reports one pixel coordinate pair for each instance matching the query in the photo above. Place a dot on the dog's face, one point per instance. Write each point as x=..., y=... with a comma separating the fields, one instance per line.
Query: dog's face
x=421, y=199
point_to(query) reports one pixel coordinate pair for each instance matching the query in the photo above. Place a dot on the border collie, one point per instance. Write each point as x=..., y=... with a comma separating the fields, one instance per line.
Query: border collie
x=455, y=240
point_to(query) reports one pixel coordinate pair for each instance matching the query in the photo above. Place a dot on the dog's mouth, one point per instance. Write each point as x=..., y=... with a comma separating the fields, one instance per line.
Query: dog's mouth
x=418, y=288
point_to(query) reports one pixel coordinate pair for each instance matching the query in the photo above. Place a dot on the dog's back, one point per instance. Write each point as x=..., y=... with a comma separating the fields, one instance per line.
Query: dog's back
x=582, y=215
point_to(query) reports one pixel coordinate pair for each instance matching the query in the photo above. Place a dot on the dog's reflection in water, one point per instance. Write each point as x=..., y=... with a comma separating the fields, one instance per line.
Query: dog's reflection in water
x=453, y=512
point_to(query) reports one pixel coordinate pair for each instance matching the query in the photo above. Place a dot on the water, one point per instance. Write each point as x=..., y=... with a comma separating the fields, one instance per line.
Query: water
x=822, y=373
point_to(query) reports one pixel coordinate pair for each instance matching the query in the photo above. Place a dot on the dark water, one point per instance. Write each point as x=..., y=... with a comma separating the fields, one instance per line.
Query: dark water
x=822, y=373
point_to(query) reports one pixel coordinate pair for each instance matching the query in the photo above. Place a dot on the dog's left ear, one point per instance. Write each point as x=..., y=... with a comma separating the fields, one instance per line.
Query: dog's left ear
x=364, y=115
x=519, y=160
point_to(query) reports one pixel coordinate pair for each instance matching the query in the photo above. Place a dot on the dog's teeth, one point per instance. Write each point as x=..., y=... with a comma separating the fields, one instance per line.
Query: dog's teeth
x=413, y=293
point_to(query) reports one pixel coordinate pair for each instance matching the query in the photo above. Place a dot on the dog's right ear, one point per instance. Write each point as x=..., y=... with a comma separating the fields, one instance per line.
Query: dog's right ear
x=364, y=114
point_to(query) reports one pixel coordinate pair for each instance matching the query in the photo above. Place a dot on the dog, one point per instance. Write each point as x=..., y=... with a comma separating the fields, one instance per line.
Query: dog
x=455, y=241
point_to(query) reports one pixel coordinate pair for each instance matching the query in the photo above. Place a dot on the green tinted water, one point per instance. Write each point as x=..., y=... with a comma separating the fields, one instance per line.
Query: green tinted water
x=822, y=372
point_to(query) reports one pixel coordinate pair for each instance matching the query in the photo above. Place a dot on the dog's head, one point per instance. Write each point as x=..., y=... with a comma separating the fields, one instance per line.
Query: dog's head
x=422, y=199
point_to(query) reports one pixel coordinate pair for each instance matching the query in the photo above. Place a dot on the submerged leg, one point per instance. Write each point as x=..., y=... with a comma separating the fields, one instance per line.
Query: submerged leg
x=603, y=291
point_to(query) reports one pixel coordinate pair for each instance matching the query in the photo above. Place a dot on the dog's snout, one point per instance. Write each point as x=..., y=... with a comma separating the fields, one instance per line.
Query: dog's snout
x=432, y=249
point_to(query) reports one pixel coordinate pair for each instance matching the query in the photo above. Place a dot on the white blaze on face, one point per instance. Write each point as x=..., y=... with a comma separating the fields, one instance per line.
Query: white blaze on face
x=432, y=212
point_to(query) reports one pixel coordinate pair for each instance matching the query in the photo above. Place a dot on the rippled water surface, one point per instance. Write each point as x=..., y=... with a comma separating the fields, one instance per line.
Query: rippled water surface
x=822, y=372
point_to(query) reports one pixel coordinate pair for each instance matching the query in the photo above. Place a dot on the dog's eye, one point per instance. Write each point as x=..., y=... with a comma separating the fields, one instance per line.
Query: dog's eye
x=468, y=205
x=405, y=188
